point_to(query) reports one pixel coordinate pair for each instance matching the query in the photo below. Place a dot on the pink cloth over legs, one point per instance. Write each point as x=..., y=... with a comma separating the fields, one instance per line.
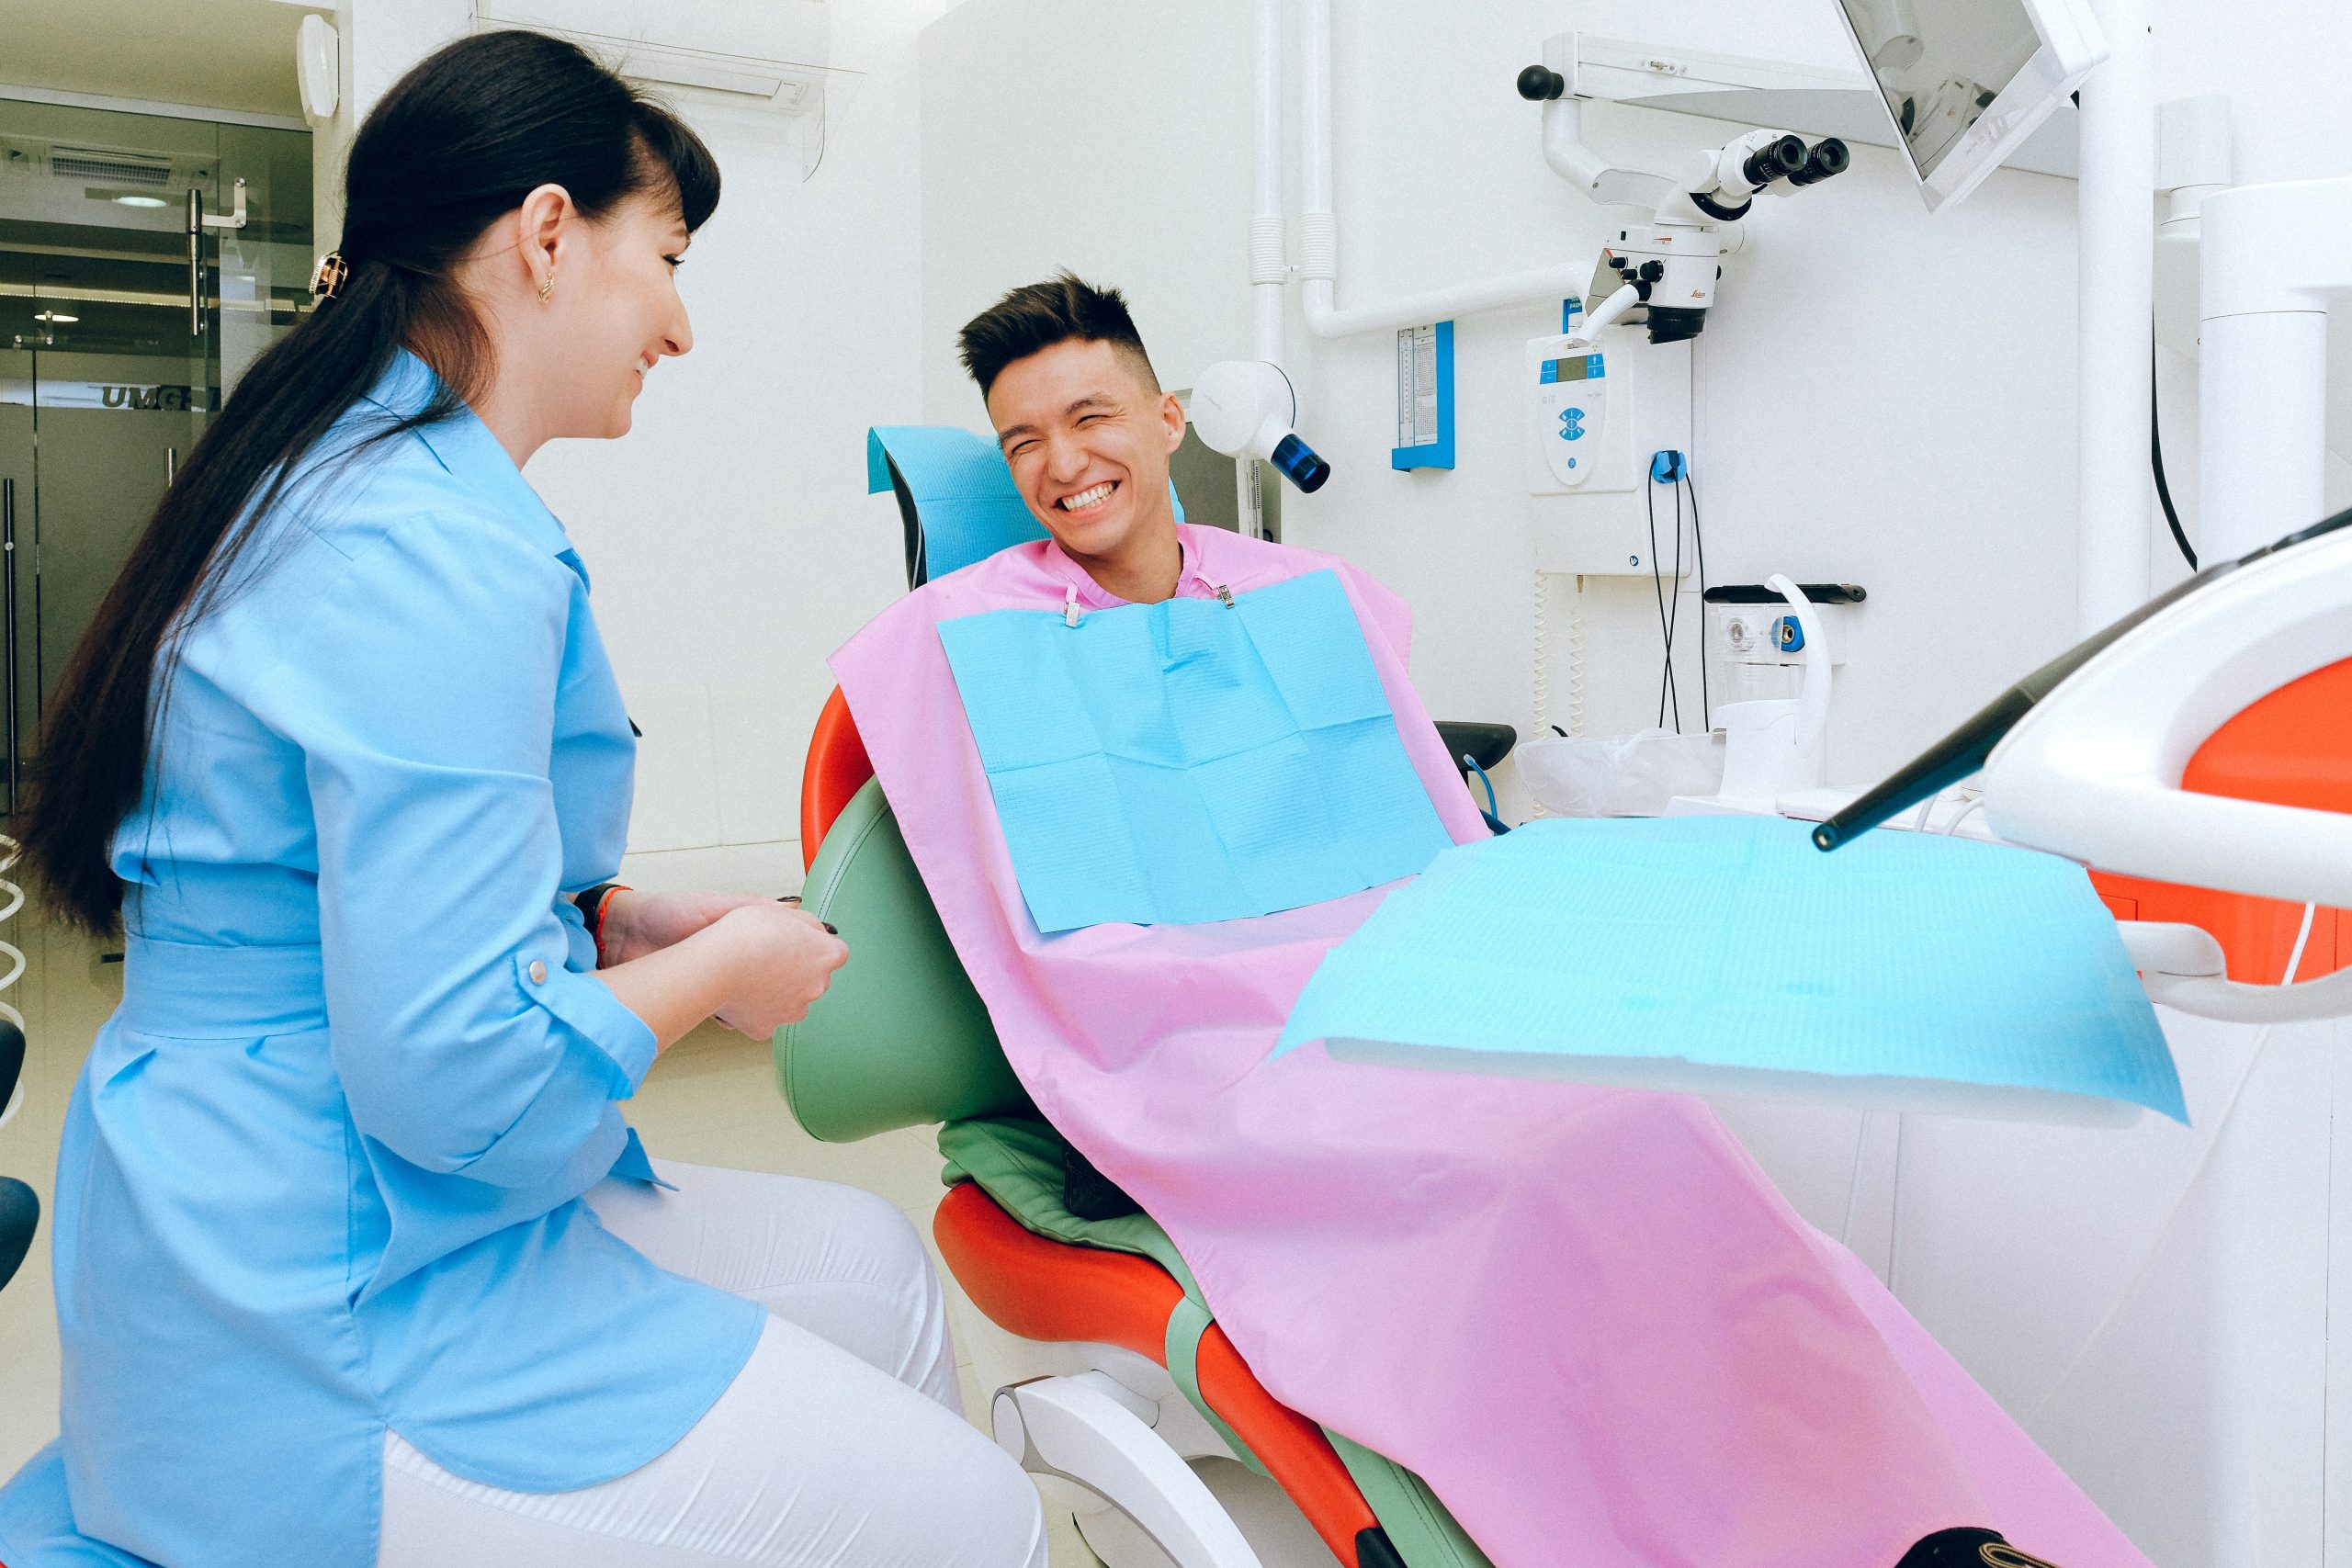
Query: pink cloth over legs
x=1583, y=1315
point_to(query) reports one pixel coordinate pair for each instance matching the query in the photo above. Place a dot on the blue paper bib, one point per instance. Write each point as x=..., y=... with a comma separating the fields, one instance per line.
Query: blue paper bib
x=1191, y=760
x=1731, y=943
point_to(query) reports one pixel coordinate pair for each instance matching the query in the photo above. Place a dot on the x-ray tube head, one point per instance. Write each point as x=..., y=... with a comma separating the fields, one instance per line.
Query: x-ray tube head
x=1245, y=408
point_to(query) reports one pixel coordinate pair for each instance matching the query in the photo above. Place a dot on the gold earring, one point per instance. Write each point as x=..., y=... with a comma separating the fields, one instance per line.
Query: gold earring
x=547, y=287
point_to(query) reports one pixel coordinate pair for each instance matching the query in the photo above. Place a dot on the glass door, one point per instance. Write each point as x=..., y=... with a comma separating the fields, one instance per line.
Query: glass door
x=131, y=300
x=16, y=528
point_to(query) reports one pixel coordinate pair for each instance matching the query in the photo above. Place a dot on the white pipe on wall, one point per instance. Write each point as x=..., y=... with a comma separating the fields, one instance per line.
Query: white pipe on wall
x=2274, y=255
x=1319, y=223
x=1267, y=272
x=2116, y=287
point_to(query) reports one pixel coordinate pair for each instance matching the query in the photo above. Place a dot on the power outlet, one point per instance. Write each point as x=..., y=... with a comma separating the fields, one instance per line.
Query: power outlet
x=1762, y=634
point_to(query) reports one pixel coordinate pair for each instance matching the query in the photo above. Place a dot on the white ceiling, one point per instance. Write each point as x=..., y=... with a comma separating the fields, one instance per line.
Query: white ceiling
x=228, y=54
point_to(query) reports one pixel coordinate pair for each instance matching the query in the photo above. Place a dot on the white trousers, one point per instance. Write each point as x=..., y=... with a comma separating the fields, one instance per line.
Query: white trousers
x=840, y=1445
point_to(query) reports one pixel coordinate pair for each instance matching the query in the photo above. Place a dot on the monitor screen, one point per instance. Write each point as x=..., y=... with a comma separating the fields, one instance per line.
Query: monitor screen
x=1940, y=63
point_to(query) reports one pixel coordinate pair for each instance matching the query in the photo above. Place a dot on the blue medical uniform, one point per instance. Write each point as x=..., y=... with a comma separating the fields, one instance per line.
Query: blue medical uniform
x=322, y=1175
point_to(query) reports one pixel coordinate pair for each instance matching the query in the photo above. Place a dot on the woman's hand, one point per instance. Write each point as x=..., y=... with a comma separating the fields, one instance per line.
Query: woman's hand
x=639, y=923
x=782, y=960
x=754, y=963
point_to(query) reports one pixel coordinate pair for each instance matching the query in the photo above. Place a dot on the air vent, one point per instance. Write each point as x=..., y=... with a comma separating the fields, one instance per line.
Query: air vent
x=115, y=168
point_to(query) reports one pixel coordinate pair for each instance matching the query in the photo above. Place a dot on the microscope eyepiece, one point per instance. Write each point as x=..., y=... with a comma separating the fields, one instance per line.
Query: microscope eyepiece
x=1828, y=157
x=1778, y=159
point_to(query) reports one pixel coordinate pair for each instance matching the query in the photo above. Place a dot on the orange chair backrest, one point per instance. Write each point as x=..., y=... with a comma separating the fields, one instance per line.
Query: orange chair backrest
x=837, y=769
x=2293, y=747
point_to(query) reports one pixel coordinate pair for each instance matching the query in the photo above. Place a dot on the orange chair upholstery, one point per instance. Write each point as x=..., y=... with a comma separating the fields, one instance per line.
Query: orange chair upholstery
x=1052, y=1292
x=2293, y=747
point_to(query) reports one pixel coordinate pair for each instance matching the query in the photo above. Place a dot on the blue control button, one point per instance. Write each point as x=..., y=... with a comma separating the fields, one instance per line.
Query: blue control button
x=1571, y=424
x=1572, y=462
x=1594, y=370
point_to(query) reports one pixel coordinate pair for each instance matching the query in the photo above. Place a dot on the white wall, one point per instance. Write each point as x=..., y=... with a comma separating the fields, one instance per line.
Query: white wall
x=1094, y=135
x=729, y=536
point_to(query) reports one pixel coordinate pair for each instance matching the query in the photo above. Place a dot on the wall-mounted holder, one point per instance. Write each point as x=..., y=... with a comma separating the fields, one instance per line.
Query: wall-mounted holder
x=1424, y=398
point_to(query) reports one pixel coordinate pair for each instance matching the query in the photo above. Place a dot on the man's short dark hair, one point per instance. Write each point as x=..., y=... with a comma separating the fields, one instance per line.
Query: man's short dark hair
x=1035, y=316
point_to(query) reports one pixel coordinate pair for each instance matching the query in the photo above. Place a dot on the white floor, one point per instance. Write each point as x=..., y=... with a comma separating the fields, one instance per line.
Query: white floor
x=710, y=1100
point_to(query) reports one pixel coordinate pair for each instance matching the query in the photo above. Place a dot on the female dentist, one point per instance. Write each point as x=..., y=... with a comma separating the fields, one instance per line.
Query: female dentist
x=356, y=1261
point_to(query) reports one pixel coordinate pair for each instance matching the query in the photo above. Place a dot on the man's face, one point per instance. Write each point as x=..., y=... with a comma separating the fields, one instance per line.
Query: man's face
x=1088, y=440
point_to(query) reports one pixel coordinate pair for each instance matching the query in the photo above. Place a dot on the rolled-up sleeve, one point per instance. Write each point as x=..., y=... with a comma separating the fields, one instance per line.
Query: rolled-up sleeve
x=424, y=693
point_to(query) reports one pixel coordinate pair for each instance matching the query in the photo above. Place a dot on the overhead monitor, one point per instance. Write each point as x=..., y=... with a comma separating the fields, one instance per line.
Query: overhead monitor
x=1967, y=81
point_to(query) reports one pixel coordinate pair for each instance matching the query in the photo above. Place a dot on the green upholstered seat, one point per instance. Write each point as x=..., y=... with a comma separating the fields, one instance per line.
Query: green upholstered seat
x=902, y=1040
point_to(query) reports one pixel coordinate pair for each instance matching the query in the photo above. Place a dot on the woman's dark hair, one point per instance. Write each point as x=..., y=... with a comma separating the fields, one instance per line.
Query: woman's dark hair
x=1035, y=316
x=456, y=144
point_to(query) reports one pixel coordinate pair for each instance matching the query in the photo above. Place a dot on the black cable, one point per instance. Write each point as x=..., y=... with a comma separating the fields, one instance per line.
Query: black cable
x=1674, y=624
x=1658, y=588
x=2156, y=461
x=1699, y=540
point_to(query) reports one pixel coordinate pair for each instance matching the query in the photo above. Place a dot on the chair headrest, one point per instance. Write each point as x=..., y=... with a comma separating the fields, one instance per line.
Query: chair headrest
x=957, y=499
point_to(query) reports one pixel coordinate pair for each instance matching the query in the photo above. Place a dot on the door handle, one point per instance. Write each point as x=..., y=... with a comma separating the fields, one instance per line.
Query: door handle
x=195, y=262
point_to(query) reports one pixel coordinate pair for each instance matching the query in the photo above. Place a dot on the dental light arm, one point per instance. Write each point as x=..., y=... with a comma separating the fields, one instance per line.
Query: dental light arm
x=1246, y=407
x=2083, y=757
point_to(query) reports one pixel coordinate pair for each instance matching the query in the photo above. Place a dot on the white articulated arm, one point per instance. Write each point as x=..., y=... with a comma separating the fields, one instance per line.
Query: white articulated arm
x=1606, y=314
x=1078, y=1429
x=1611, y=185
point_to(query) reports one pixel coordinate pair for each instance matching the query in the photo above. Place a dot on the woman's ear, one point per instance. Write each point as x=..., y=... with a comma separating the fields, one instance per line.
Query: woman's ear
x=542, y=233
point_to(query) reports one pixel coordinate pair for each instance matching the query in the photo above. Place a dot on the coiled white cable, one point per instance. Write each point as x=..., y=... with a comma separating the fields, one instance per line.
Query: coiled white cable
x=12, y=898
x=1543, y=655
x=1542, y=676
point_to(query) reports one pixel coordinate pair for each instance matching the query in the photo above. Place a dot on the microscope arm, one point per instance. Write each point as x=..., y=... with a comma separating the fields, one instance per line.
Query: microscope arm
x=1611, y=185
x=1606, y=314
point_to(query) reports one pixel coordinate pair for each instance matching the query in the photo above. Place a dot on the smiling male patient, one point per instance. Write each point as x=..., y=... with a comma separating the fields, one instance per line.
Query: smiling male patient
x=1086, y=430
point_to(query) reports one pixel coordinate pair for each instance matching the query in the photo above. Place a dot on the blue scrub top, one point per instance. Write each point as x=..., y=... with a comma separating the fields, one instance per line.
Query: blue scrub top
x=322, y=1174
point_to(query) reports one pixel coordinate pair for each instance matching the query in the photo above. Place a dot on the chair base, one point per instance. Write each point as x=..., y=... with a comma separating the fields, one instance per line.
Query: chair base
x=1149, y=1483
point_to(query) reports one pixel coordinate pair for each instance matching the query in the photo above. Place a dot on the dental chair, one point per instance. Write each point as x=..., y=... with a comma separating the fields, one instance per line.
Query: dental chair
x=1113, y=1385
x=1112, y=1382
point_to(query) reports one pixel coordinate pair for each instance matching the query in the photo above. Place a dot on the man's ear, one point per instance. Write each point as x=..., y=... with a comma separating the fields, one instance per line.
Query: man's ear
x=1171, y=415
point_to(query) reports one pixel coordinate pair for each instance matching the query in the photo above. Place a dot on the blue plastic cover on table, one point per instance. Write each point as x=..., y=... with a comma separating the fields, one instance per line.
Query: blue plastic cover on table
x=964, y=495
x=1732, y=942
x=1191, y=760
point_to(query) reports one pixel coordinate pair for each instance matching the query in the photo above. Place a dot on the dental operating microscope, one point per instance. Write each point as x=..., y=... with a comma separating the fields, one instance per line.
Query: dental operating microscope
x=1663, y=272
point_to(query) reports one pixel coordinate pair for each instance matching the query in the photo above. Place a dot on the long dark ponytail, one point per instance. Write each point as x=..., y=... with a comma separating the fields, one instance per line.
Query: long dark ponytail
x=456, y=143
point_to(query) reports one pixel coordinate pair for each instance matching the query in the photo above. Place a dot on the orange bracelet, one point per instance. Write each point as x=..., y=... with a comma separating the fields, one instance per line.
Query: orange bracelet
x=596, y=919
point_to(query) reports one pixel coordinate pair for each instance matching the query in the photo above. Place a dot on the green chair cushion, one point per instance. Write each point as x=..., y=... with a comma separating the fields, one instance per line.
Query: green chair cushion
x=900, y=1039
x=1018, y=1162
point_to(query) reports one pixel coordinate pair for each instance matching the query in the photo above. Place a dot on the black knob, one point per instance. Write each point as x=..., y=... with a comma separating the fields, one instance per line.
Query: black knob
x=1652, y=271
x=1538, y=83
x=1828, y=157
x=1775, y=161
x=1616, y=262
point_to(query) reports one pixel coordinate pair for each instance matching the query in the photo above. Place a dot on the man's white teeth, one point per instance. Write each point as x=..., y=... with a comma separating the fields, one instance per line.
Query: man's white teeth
x=1087, y=498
